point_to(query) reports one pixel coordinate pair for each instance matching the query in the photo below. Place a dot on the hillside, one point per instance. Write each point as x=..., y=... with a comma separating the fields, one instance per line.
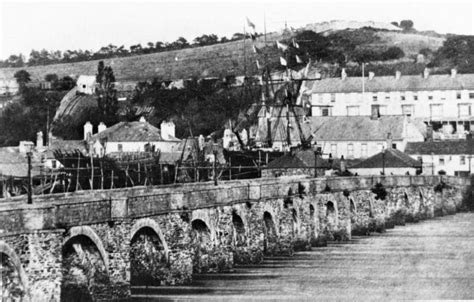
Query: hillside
x=225, y=59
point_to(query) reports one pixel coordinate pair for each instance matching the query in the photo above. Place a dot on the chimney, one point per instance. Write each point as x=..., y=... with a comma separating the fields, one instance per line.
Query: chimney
x=454, y=72
x=39, y=140
x=167, y=129
x=343, y=74
x=101, y=127
x=389, y=140
x=429, y=133
x=87, y=130
x=142, y=119
x=398, y=75
x=426, y=73
x=371, y=75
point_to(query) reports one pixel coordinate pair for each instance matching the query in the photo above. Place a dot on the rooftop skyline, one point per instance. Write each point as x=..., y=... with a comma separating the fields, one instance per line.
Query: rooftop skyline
x=88, y=25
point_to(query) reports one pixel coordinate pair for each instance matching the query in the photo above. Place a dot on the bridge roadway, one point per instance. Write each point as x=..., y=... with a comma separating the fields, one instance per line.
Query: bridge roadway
x=433, y=259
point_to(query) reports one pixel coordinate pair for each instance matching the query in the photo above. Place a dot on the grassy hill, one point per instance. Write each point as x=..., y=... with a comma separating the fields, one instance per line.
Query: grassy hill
x=221, y=60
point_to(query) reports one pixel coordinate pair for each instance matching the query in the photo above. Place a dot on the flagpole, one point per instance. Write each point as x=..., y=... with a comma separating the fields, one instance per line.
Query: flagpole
x=363, y=82
x=265, y=56
x=245, y=55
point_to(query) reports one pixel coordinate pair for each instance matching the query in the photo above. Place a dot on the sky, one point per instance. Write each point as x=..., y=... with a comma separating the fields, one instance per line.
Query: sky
x=69, y=24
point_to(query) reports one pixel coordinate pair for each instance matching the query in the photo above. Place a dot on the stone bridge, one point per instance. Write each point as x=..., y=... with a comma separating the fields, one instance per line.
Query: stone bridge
x=93, y=245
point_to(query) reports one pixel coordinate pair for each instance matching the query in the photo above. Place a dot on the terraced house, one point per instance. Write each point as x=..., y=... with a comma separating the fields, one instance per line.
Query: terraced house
x=443, y=100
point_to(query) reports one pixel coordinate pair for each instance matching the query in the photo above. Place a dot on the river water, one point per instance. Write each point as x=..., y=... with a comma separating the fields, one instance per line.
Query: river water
x=433, y=259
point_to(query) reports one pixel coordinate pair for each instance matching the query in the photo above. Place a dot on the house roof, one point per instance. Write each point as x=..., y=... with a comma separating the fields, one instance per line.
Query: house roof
x=438, y=147
x=357, y=128
x=391, y=158
x=390, y=83
x=298, y=159
x=130, y=132
x=68, y=146
x=15, y=164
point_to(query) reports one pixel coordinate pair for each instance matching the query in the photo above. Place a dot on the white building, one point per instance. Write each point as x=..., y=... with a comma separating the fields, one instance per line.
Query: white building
x=444, y=101
x=138, y=136
x=453, y=157
x=8, y=86
x=86, y=84
x=364, y=136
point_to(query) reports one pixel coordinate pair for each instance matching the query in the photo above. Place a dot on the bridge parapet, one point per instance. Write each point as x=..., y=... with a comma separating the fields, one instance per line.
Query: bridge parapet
x=87, y=207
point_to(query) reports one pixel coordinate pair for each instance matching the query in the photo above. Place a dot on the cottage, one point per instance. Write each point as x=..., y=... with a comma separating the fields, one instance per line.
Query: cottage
x=364, y=136
x=450, y=157
x=138, y=136
x=388, y=162
x=86, y=84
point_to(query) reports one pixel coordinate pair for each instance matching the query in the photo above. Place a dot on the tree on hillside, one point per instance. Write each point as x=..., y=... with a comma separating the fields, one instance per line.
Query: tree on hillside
x=106, y=92
x=206, y=40
x=407, y=25
x=395, y=23
x=22, y=78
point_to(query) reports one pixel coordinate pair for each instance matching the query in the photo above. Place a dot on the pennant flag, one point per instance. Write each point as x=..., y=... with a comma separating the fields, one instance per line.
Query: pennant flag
x=295, y=44
x=283, y=61
x=306, y=70
x=299, y=60
x=256, y=50
x=258, y=64
x=250, y=24
x=281, y=46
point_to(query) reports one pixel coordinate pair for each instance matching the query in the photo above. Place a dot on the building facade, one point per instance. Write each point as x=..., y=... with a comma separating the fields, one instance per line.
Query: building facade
x=451, y=157
x=445, y=101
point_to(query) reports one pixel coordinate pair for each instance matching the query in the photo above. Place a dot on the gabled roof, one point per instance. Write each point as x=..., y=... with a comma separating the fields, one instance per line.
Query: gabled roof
x=438, y=147
x=130, y=132
x=357, y=128
x=391, y=158
x=390, y=83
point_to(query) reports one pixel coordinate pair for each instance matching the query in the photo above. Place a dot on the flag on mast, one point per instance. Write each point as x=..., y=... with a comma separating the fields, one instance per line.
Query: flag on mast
x=283, y=61
x=298, y=59
x=295, y=44
x=281, y=46
x=256, y=50
x=258, y=64
x=250, y=23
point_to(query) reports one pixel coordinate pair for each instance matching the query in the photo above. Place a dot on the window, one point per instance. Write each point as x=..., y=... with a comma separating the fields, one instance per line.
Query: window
x=394, y=146
x=53, y=164
x=84, y=86
x=471, y=95
x=462, y=160
x=352, y=110
x=458, y=95
x=441, y=161
x=430, y=97
x=436, y=110
x=333, y=97
x=464, y=110
x=334, y=150
x=415, y=97
x=120, y=148
x=326, y=111
x=363, y=150
x=387, y=98
x=407, y=110
x=350, y=150
x=374, y=98
x=402, y=97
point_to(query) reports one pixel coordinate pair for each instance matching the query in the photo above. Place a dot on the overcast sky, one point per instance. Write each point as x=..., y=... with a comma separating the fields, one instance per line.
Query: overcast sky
x=61, y=25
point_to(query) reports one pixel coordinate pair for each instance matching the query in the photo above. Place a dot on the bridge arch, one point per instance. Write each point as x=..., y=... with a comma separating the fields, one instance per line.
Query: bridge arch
x=88, y=232
x=313, y=222
x=152, y=224
x=239, y=226
x=6, y=250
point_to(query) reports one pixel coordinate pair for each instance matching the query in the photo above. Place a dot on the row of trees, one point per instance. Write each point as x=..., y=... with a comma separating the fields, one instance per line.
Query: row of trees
x=45, y=57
